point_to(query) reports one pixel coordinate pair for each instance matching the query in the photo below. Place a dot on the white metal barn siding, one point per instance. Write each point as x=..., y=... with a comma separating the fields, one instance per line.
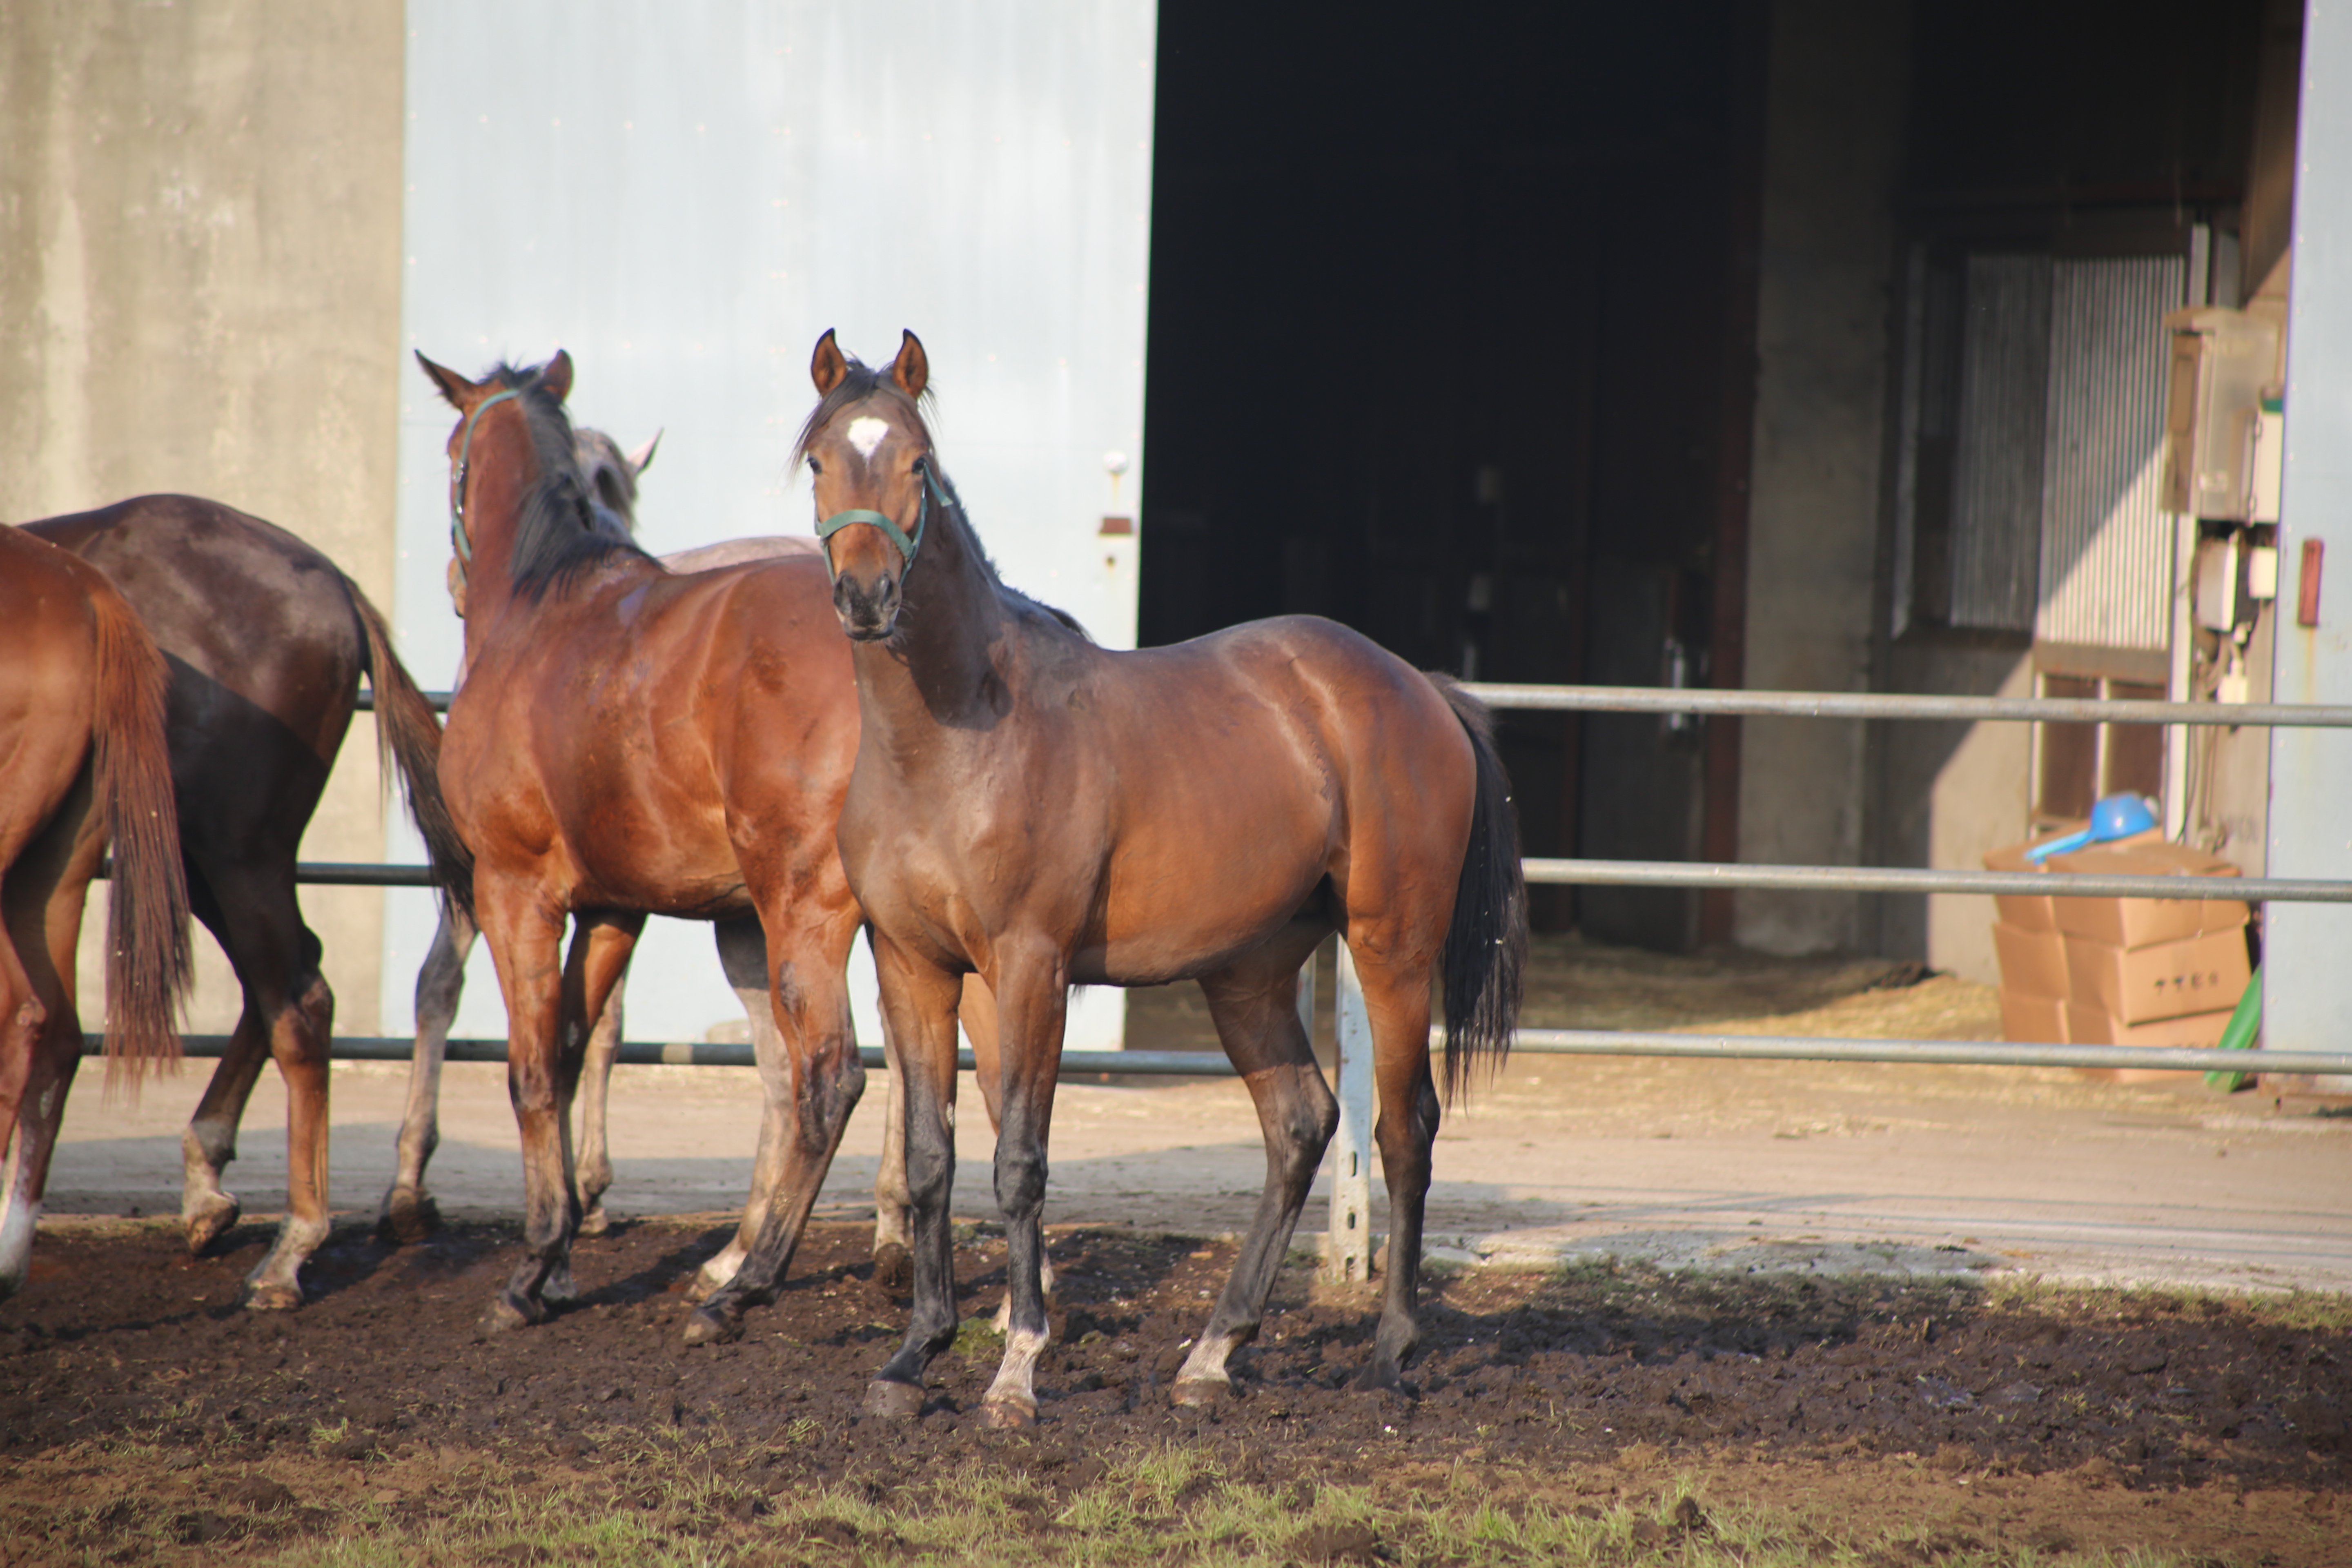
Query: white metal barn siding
x=684, y=195
x=2107, y=544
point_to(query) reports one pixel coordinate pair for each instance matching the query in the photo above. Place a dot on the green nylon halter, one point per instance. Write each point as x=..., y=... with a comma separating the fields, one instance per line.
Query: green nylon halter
x=459, y=540
x=907, y=545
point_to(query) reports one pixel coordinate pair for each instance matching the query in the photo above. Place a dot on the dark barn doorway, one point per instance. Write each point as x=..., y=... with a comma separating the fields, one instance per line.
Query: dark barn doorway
x=1451, y=339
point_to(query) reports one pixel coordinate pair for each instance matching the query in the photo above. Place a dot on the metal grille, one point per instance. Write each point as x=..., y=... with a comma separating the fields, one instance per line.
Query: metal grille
x=2106, y=546
x=1996, y=483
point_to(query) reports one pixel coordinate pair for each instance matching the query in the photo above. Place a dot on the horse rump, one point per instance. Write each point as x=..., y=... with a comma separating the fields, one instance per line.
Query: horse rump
x=1485, y=957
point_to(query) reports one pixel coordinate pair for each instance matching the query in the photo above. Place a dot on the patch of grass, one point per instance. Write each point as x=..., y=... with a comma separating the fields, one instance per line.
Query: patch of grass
x=2305, y=1312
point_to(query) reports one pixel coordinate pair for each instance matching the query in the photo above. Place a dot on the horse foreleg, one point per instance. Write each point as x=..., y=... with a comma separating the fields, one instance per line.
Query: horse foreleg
x=600, y=945
x=894, y=1236
x=408, y=1213
x=920, y=1003
x=206, y=1210
x=811, y=1087
x=593, y=1172
x=1033, y=1003
x=1255, y=1007
x=977, y=1013
x=526, y=937
x=744, y=956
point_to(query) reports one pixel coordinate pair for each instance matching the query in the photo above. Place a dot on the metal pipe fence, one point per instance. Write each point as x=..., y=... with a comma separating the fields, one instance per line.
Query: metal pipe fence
x=1349, y=1256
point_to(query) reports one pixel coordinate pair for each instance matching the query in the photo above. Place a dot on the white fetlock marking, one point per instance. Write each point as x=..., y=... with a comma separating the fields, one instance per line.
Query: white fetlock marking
x=719, y=1272
x=1017, y=1374
x=16, y=1227
x=1207, y=1362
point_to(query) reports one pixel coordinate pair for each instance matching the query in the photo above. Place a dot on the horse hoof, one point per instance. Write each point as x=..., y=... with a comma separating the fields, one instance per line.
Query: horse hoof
x=894, y=1270
x=208, y=1219
x=595, y=1222
x=510, y=1310
x=709, y=1326
x=272, y=1297
x=1380, y=1377
x=1008, y=1414
x=892, y=1400
x=561, y=1290
x=1199, y=1392
x=409, y=1216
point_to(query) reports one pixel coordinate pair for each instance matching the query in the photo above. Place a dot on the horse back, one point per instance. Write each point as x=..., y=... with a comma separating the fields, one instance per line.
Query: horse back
x=258, y=625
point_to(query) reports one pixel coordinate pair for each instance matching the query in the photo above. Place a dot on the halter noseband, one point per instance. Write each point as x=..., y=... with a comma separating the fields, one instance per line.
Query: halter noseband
x=459, y=540
x=908, y=543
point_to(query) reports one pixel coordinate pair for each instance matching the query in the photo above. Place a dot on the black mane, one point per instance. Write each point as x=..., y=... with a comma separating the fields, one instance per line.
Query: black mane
x=555, y=538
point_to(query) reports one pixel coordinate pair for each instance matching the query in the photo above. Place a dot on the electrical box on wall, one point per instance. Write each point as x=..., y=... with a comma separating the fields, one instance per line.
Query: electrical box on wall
x=2222, y=362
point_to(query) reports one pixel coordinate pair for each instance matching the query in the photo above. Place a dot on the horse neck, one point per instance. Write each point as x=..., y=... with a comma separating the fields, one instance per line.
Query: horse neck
x=505, y=470
x=951, y=636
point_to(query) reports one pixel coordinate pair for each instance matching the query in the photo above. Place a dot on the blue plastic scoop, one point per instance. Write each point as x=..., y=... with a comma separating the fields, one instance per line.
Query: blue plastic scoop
x=2118, y=816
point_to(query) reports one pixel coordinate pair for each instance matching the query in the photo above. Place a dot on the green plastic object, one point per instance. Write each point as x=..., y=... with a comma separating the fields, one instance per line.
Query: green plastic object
x=2239, y=1036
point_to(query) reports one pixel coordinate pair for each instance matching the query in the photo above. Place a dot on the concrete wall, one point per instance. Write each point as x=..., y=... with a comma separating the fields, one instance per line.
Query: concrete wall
x=200, y=291
x=1833, y=150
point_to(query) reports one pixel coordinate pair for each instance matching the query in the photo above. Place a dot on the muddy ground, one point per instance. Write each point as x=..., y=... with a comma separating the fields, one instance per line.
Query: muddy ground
x=143, y=1415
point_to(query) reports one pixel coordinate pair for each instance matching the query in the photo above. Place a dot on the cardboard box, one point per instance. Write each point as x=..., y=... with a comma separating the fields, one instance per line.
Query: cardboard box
x=2144, y=923
x=2039, y=1020
x=2033, y=963
x=2168, y=980
x=2092, y=1027
x=2031, y=912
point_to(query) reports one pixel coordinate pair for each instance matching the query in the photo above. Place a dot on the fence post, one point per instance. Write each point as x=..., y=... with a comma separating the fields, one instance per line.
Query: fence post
x=1349, y=1253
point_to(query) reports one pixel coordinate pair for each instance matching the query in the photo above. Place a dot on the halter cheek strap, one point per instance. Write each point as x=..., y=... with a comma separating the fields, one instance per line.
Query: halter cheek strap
x=460, y=541
x=908, y=543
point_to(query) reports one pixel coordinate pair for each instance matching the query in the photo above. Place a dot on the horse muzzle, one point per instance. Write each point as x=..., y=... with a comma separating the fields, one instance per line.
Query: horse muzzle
x=867, y=615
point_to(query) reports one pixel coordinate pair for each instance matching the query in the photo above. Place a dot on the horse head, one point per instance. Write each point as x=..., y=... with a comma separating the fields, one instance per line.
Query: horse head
x=869, y=455
x=610, y=475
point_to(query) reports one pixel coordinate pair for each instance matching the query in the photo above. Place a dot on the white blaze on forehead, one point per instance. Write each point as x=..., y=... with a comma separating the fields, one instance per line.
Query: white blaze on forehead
x=867, y=434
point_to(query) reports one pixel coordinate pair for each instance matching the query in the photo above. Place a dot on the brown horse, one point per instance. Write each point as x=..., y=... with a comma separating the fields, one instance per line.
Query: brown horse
x=1039, y=810
x=82, y=762
x=610, y=478
x=629, y=741
x=266, y=641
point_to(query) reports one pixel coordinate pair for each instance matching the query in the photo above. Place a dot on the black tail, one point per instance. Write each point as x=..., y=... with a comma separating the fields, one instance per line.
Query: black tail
x=1486, y=945
x=409, y=737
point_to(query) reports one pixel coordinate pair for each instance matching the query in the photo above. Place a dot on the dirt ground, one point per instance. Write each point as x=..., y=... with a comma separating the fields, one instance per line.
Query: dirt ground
x=1751, y=1312
x=142, y=1416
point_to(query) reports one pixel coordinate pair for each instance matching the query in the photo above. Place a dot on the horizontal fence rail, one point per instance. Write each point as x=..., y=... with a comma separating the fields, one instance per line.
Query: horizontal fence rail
x=1899, y=879
x=1532, y=1042
x=1894, y=705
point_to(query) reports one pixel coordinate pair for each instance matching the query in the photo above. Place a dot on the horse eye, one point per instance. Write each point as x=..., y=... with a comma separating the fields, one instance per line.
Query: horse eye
x=816, y=466
x=922, y=465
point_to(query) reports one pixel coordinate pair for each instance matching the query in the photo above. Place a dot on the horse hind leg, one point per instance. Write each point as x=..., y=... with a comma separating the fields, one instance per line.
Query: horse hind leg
x=977, y=1013
x=408, y=1213
x=1396, y=1001
x=811, y=1088
x=593, y=1170
x=743, y=955
x=1255, y=1007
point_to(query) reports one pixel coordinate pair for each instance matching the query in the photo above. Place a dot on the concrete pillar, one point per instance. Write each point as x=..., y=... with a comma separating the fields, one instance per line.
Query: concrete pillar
x=1833, y=149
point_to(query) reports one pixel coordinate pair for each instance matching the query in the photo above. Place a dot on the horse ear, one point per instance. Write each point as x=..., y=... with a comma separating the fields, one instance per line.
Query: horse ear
x=912, y=369
x=556, y=376
x=643, y=458
x=454, y=389
x=828, y=365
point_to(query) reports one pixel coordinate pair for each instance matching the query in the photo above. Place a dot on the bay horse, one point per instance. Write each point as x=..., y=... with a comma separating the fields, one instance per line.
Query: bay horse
x=1040, y=811
x=267, y=640
x=610, y=477
x=630, y=741
x=83, y=763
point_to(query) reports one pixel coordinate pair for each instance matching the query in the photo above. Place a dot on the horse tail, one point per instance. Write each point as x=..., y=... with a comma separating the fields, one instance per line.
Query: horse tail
x=1486, y=958
x=408, y=737
x=148, y=969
